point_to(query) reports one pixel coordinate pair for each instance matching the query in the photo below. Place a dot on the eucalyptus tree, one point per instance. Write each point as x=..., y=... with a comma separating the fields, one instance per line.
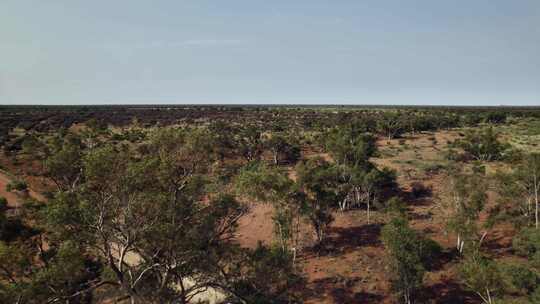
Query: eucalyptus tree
x=59, y=156
x=153, y=226
x=61, y=275
x=349, y=147
x=272, y=185
x=147, y=219
x=483, y=276
x=527, y=244
x=391, y=124
x=483, y=145
x=32, y=272
x=360, y=179
x=223, y=138
x=409, y=255
x=468, y=198
x=519, y=191
x=249, y=142
x=265, y=275
x=63, y=162
x=319, y=180
x=283, y=148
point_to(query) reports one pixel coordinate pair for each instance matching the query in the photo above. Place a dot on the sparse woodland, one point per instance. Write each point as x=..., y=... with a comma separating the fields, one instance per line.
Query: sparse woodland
x=269, y=205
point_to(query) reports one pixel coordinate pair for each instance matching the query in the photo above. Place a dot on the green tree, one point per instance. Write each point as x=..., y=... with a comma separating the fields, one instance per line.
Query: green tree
x=409, y=255
x=17, y=185
x=527, y=243
x=519, y=191
x=519, y=278
x=319, y=181
x=350, y=148
x=282, y=148
x=360, y=179
x=482, y=276
x=483, y=145
x=467, y=201
x=263, y=275
x=390, y=124
x=30, y=273
x=363, y=186
x=223, y=138
x=272, y=185
x=250, y=142
x=151, y=220
x=60, y=156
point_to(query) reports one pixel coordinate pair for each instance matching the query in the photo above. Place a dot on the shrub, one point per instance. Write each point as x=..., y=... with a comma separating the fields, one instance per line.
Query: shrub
x=17, y=185
x=396, y=206
x=527, y=242
x=521, y=278
x=409, y=256
x=535, y=296
x=433, y=168
x=483, y=276
x=483, y=145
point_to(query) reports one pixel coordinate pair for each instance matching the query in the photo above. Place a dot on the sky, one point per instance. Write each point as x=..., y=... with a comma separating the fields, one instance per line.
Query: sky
x=459, y=52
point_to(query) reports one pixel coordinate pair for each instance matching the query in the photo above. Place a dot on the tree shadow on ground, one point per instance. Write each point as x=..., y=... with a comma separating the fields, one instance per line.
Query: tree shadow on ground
x=446, y=292
x=346, y=239
x=341, y=295
x=442, y=259
x=420, y=216
x=341, y=291
x=417, y=195
x=498, y=245
x=411, y=200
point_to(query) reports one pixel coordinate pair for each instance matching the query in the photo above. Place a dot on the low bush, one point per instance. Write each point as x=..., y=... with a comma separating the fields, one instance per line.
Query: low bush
x=520, y=278
x=17, y=185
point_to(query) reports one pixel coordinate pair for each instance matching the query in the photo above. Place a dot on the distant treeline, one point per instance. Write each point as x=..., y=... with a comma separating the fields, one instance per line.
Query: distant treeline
x=389, y=121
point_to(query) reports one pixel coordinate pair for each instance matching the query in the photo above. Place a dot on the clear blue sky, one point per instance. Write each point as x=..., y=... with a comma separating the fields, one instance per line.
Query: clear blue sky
x=460, y=52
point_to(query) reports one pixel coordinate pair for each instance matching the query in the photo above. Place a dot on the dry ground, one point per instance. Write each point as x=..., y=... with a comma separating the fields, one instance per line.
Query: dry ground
x=353, y=269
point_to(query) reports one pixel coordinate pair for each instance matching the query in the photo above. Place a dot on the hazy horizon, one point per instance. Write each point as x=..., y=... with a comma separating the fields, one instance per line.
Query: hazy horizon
x=461, y=53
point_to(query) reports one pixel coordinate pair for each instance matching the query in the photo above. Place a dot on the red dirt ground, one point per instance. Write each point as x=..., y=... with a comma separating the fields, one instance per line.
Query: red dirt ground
x=354, y=271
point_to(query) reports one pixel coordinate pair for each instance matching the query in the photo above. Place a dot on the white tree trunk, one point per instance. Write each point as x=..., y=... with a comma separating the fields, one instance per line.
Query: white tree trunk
x=482, y=238
x=536, y=200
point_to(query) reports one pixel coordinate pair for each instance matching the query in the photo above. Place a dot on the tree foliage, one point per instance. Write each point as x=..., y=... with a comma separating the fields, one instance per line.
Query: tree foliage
x=483, y=145
x=519, y=191
x=467, y=201
x=483, y=276
x=409, y=257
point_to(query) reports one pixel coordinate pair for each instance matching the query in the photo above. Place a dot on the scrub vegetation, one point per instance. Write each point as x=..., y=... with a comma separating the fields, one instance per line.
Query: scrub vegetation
x=245, y=204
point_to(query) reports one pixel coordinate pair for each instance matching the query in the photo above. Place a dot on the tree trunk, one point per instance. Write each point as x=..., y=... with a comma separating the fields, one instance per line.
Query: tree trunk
x=368, y=205
x=482, y=238
x=460, y=244
x=536, y=200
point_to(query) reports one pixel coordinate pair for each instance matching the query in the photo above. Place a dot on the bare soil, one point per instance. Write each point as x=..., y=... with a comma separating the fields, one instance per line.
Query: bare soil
x=352, y=269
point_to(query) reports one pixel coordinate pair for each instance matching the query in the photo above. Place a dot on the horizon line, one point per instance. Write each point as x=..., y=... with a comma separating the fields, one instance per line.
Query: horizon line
x=265, y=105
